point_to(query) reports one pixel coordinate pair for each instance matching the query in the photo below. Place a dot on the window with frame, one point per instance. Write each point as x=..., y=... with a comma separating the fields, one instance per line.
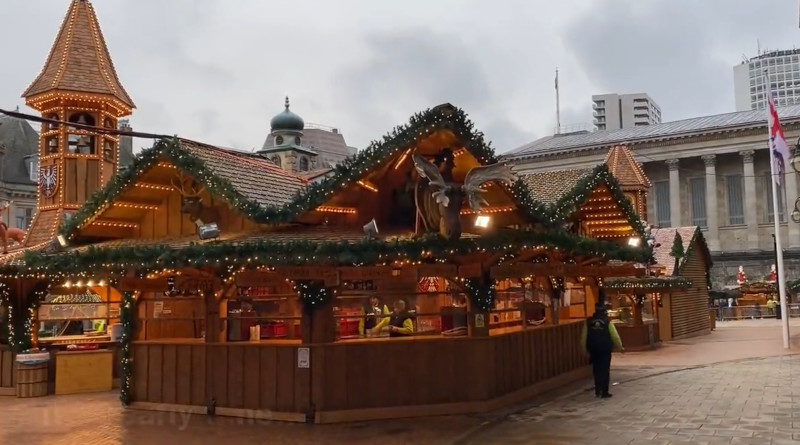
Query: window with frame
x=698, y=192
x=767, y=187
x=23, y=217
x=735, y=199
x=662, y=203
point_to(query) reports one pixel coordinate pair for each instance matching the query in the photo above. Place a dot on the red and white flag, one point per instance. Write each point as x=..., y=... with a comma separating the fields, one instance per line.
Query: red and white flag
x=777, y=143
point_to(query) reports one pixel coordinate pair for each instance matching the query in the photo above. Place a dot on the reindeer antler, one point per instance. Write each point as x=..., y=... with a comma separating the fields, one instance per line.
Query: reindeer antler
x=480, y=175
x=181, y=187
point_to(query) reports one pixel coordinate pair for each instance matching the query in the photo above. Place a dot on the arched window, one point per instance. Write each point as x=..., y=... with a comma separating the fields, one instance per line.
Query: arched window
x=303, y=164
x=297, y=140
x=276, y=160
x=278, y=140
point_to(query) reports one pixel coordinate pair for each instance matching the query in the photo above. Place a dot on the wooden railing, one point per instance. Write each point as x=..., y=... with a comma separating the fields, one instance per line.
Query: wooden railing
x=355, y=375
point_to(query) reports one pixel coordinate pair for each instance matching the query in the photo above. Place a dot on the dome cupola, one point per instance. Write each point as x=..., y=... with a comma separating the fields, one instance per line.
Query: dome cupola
x=286, y=120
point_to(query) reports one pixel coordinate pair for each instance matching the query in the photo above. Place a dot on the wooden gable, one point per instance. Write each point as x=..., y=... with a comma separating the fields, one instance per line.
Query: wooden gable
x=151, y=208
x=385, y=190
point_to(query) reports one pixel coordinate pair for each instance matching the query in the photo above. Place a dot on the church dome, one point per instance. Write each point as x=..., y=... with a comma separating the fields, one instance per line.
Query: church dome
x=286, y=120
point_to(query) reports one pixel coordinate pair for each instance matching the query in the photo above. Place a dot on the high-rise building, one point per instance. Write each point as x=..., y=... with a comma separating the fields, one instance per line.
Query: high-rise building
x=749, y=77
x=615, y=111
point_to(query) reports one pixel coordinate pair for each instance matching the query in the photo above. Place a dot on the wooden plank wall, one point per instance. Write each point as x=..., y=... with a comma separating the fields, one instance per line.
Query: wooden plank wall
x=442, y=370
x=354, y=375
x=689, y=308
x=6, y=367
x=169, y=373
x=238, y=375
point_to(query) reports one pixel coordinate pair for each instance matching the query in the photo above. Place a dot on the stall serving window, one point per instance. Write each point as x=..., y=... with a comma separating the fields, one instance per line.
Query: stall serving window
x=72, y=314
x=268, y=312
x=401, y=308
x=171, y=314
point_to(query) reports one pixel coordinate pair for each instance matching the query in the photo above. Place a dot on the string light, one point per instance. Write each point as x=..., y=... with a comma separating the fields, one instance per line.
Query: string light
x=335, y=209
x=368, y=185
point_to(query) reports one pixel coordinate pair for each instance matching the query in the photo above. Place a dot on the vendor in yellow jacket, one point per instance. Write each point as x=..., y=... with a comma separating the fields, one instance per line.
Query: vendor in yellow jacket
x=599, y=338
x=373, y=311
x=399, y=324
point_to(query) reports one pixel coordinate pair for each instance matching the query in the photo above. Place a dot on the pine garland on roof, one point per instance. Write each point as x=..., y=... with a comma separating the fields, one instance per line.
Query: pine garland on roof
x=420, y=125
x=110, y=261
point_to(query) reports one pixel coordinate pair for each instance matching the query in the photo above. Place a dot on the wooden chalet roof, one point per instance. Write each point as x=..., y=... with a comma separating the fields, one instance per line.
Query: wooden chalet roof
x=79, y=59
x=664, y=239
x=549, y=187
x=255, y=177
x=624, y=167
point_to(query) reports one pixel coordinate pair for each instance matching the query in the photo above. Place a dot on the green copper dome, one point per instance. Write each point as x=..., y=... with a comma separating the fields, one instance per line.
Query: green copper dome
x=286, y=120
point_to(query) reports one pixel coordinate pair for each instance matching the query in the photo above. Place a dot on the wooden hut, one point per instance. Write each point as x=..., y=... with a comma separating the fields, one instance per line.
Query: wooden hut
x=240, y=289
x=675, y=295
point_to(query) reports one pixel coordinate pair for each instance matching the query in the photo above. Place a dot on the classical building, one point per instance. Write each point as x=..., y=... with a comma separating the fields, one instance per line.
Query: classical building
x=311, y=150
x=615, y=111
x=710, y=171
x=18, y=169
x=784, y=80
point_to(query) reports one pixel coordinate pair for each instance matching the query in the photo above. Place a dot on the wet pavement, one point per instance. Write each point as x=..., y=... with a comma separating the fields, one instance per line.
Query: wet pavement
x=675, y=394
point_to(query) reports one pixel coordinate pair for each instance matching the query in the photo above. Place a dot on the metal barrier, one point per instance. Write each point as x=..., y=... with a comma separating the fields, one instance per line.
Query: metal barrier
x=752, y=312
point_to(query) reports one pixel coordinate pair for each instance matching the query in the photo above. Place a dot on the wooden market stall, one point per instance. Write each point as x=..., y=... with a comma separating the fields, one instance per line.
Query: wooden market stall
x=242, y=289
x=672, y=302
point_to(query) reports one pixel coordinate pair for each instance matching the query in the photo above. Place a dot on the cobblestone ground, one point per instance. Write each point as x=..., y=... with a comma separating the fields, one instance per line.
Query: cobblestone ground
x=755, y=401
x=675, y=394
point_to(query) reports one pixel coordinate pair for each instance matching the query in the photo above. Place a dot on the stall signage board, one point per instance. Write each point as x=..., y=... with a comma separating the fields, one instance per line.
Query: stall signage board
x=303, y=358
x=257, y=278
x=183, y=284
x=437, y=270
x=471, y=270
x=561, y=269
x=366, y=273
x=328, y=275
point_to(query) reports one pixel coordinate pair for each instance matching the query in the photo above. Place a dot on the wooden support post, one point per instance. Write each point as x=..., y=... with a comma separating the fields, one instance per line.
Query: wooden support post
x=318, y=325
x=638, y=304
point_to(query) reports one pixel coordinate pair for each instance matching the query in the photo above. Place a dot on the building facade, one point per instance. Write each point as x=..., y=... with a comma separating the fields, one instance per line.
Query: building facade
x=749, y=80
x=299, y=148
x=711, y=171
x=19, y=144
x=616, y=111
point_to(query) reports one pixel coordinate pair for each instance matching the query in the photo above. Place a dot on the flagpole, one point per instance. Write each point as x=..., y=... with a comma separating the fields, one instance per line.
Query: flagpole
x=781, y=284
x=558, y=107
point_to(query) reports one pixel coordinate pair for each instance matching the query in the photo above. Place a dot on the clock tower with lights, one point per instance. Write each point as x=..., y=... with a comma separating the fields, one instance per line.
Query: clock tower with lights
x=79, y=85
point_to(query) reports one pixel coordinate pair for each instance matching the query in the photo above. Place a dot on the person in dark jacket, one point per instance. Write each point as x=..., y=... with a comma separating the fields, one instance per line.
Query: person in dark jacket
x=599, y=338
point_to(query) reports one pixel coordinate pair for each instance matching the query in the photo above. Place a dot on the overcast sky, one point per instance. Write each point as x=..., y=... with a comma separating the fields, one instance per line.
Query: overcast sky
x=217, y=70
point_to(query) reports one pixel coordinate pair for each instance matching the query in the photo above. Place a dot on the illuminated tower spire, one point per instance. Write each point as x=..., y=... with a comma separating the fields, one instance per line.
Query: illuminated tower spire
x=78, y=84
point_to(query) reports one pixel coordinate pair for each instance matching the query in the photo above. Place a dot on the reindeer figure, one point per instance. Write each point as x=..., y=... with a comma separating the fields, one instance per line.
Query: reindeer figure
x=447, y=196
x=192, y=203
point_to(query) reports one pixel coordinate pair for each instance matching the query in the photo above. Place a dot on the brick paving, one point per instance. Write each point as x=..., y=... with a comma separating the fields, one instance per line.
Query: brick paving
x=750, y=401
x=668, y=396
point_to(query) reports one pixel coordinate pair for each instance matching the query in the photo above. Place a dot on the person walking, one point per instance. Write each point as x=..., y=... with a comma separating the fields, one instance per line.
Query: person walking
x=599, y=338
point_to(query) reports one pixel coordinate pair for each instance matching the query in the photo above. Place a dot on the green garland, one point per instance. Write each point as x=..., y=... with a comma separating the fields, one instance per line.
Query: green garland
x=128, y=321
x=647, y=283
x=571, y=202
x=313, y=293
x=420, y=125
x=7, y=324
x=108, y=261
x=21, y=319
x=481, y=292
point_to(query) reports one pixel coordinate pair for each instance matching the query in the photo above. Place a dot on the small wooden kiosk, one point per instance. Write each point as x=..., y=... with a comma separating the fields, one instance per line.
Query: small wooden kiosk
x=260, y=314
x=672, y=302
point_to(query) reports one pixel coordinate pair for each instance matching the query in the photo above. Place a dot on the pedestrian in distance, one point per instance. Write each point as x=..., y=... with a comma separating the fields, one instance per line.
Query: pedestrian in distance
x=600, y=338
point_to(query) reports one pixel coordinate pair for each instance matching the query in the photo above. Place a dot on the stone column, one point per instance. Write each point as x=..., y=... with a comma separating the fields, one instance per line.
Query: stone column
x=674, y=193
x=712, y=210
x=791, y=195
x=750, y=200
